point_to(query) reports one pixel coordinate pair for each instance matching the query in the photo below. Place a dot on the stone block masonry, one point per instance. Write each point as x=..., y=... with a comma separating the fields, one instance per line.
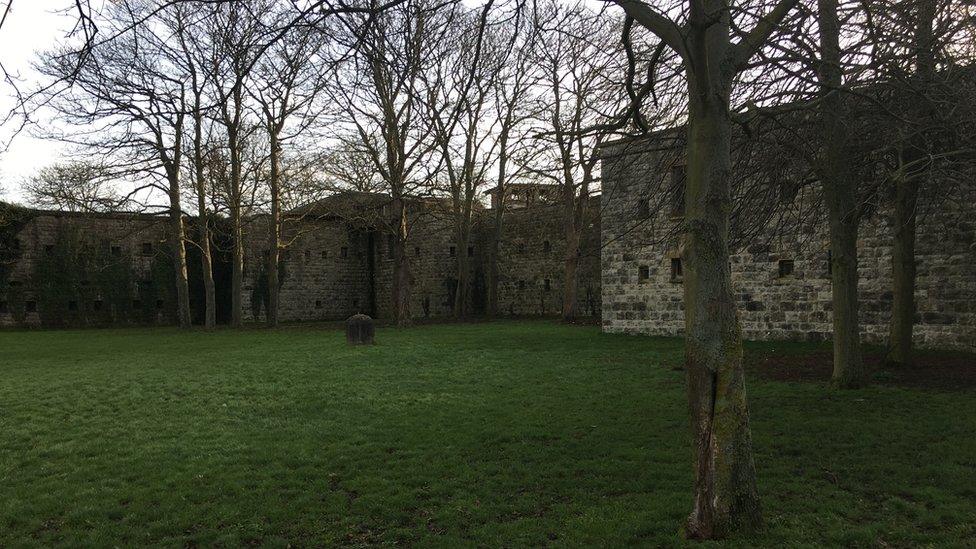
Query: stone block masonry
x=61, y=269
x=780, y=273
x=64, y=269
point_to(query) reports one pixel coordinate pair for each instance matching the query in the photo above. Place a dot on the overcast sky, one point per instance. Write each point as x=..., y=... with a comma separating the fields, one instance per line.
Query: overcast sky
x=32, y=25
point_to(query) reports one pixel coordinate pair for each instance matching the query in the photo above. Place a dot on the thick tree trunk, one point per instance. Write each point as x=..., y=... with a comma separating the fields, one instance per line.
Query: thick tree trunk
x=237, y=267
x=177, y=238
x=725, y=495
x=903, y=273
x=840, y=193
x=203, y=227
x=401, y=268
x=900, y=352
x=203, y=223
x=206, y=262
x=274, y=232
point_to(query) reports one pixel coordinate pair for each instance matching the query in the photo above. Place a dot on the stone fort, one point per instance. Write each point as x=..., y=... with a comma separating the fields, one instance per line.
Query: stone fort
x=68, y=269
x=780, y=260
x=64, y=269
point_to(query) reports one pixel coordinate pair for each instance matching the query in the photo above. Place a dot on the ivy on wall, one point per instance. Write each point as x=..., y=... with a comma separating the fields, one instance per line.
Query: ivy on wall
x=90, y=283
x=260, y=296
x=82, y=282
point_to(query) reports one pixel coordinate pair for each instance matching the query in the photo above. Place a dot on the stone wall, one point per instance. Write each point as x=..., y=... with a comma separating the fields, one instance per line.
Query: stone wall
x=321, y=270
x=531, y=262
x=63, y=269
x=84, y=270
x=780, y=273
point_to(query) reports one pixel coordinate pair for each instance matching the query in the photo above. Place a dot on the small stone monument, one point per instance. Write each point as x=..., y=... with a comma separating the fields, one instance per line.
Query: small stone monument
x=359, y=330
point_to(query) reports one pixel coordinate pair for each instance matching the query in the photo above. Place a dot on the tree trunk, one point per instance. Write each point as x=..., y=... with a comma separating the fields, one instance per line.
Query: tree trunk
x=177, y=238
x=725, y=496
x=401, y=268
x=203, y=226
x=571, y=272
x=237, y=267
x=840, y=193
x=206, y=262
x=903, y=273
x=274, y=231
x=461, y=292
x=494, y=245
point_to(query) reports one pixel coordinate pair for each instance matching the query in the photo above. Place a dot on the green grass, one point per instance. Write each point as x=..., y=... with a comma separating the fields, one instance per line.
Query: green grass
x=500, y=434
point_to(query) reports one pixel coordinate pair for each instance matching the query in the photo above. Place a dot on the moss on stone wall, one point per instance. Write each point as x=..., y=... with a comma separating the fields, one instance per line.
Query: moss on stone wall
x=12, y=220
x=92, y=283
x=260, y=296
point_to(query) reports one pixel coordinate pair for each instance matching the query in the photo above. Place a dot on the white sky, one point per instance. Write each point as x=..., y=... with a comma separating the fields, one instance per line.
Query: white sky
x=32, y=25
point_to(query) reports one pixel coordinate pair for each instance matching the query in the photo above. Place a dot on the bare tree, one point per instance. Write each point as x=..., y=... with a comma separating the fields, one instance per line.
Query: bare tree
x=926, y=137
x=286, y=82
x=380, y=89
x=237, y=38
x=513, y=107
x=72, y=186
x=701, y=32
x=460, y=90
x=128, y=101
x=580, y=56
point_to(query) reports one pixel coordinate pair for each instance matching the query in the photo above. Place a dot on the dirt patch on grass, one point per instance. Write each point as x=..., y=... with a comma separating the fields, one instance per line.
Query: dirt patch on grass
x=944, y=371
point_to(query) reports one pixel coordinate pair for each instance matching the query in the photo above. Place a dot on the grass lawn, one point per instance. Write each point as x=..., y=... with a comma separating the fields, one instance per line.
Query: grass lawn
x=496, y=434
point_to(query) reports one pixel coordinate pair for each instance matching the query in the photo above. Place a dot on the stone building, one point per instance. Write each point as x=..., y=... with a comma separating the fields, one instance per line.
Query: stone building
x=68, y=269
x=780, y=261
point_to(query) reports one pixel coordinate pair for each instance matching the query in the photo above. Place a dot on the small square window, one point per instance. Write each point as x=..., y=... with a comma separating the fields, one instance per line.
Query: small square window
x=30, y=306
x=72, y=305
x=785, y=267
x=136, y=304
x=547, y=284
x=318, y=303
x=325, y=254
x=49, y=249
x=147, y=248
x=676, y=270
x=159, y=303
x=521, y=247
x=643, y=273
x=117, y=251
x=343, y=252
x=546, y=246
x=453, y=251
x=97, y=305
x=521, y=284
x=308, y=255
